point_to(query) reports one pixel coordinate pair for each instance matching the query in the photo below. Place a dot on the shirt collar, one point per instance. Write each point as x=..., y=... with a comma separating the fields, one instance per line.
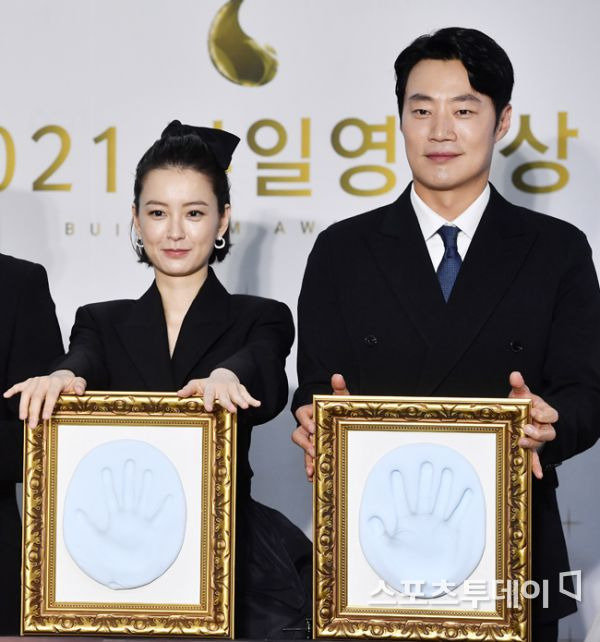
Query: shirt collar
x=430, y=221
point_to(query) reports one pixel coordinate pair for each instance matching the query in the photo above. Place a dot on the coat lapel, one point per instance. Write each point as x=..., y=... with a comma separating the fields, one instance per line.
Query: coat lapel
x=496, y=254
x=144, y=338
x=207, y=319
x=399, y=248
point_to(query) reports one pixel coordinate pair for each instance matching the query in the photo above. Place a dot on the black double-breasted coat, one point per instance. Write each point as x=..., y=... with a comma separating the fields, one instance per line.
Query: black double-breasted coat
x=526, y=298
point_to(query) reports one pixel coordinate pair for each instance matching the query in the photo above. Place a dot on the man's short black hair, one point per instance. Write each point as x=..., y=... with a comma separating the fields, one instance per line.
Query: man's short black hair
x=488, y=66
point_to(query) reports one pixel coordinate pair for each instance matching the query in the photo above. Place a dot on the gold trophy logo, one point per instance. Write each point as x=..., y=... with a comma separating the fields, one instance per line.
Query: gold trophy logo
x=235, y=54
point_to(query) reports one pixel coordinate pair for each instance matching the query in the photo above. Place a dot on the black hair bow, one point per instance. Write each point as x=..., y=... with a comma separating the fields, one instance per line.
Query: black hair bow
x=221, y=143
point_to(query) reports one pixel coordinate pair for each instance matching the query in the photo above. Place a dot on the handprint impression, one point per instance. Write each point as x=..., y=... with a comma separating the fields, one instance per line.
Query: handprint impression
x=140, y=533
x=422, y=519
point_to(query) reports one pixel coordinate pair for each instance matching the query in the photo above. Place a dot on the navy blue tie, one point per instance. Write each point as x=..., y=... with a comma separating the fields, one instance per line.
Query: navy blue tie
x=448, y=269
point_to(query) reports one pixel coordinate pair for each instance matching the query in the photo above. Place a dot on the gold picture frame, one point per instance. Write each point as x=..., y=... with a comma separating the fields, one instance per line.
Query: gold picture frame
x=195, y=595
x=356, y=432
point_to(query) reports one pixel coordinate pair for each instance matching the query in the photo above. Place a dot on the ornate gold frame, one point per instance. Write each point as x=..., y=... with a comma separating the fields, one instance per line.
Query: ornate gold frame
x=213, y=616
x=335, y=416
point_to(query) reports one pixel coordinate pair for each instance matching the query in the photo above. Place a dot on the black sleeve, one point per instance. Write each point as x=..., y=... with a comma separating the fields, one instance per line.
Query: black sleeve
x=260, y=364
x=86, y=353
x=324, y=346
x=34, y=344
x=571, y=376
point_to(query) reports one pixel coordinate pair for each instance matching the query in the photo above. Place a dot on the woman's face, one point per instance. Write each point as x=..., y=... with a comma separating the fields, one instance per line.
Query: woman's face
x=178, y=220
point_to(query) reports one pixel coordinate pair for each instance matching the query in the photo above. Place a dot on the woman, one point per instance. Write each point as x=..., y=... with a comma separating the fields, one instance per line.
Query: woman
x=186, y=333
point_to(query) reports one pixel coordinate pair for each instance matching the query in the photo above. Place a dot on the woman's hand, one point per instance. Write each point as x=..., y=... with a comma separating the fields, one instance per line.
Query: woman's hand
x=44, y=390
x=221, y=384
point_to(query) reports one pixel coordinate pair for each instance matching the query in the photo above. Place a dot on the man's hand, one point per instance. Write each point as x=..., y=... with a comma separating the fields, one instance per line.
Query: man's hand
x=543, y=416
x=303, y=435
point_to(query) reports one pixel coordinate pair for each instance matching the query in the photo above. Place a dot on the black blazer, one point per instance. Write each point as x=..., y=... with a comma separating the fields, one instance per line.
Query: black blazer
x=29, y=341
x=123, y=345
x=526, y=298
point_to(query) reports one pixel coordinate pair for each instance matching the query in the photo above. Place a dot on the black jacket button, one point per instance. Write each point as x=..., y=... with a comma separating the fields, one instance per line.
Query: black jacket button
x=516, y=346
x=371, y=340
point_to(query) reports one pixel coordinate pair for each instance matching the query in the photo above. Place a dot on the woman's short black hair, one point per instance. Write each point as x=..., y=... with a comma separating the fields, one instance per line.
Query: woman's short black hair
x=488, y=66
x=186, y=147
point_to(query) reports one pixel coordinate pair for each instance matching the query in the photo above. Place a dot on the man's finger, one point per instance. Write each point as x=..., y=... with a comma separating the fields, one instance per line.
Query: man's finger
x=529, y=443
x=518, y=387
x=544, y=414
x=301, y=438
x=541, y=432
x=338, y=385
x=536, y=465
x=309, y=467
x=304, y=415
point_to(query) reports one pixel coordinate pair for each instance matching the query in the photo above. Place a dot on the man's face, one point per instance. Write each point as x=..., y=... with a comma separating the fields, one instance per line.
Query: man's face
x=449, y=129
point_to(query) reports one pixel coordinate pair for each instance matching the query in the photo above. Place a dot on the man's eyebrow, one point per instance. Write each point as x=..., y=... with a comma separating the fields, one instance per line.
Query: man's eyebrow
x=418, y=96
x=456, y=99
x=465, y=98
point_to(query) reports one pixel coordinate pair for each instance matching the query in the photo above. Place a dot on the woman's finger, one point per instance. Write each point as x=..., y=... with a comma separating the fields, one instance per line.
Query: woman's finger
x=79, y=385
x=37, y=398
x=187, y=390
x=209, y=396
x=26, y=390
x=250, y=400
x=225, y=399
x=237, y=396
x=55, y=387
x=27, y=397
x=16, y=389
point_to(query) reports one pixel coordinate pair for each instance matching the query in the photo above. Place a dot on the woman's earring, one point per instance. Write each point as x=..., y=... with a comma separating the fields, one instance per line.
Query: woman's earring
x=139, y=243
x=219, y=243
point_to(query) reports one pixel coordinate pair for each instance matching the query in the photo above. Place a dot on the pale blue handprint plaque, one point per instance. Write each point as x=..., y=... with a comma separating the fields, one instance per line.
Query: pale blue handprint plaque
x=129, y=518
x=125, y=514
x=423, y=518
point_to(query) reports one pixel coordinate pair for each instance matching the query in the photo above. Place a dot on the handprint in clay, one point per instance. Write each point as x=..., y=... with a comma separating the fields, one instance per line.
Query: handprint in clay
x=140, y=532
x=422, y=521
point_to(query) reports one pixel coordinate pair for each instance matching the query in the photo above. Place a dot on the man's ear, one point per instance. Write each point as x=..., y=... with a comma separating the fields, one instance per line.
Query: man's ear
x=503, y=123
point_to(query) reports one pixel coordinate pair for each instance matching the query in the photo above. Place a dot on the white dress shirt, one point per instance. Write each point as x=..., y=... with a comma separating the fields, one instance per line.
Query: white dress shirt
x=430, y=222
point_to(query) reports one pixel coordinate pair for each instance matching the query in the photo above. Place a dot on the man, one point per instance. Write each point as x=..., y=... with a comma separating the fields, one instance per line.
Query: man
x=29, y=341
x=453, y=291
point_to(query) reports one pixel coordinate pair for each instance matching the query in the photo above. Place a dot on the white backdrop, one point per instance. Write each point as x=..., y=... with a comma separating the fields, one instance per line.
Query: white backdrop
x=87, y=67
